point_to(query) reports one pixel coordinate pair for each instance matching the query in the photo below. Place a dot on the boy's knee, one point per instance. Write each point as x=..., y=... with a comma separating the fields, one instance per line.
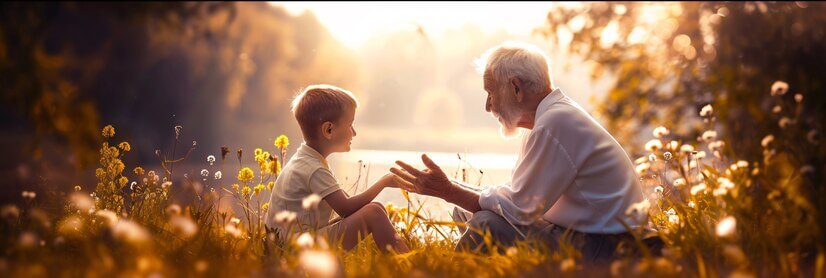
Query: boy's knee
x=379, y=205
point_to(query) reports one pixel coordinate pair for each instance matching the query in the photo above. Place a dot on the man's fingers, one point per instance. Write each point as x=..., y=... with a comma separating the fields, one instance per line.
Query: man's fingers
x=403, y=175
x=413, y=171
x=430, y=164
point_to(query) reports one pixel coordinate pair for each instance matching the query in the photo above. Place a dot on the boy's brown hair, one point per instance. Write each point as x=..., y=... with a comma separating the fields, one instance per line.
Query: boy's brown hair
x=321, y=103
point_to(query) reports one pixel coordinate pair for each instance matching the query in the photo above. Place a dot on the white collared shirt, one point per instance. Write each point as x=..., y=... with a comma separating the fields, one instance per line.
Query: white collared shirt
x=570, y=171
x=305, y=173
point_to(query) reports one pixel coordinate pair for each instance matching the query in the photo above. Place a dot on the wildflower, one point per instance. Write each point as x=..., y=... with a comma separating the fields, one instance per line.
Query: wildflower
x=194, y=143
x=686, y=148
x=779, y=88
x=275, y=167
x=108, y=131
x=813, y=136
x=767, y=140
x=70, y=225
x=235, y=221
x=235, y=187
x=29, y=195
x=232, y=230
x=284, y=217
x=679, y=182
x=310, y=202
x=716, y=145
x=638, y=208
x=709, y=135
x=218, y=175
x=319, y=263
x=691, y=204
x=701, y=187
x=77, y=188
x=798, y=98
x=138, y=171
x=204, y=172
x=125, y=146
x=706, y=110
x=667, y=156
x=270, y=185
x=245, y=174
x=777, y=109
x=281, y=142
x=122, y=181
x=224, y=152
x=640, y=160
x=661, y=131
x=672, y=216
x=700, y=155
x=178, y=131
x=652, y=157
x=258, y=189
x=246, y=191
x=642, y=168
x=785, y=121
x=183, y=226
x=166, y=184
x=659, y=189
x=211, y=159
x=130, y=231
x=81, y=201
x=567, y=265
x=742, y=164
x=653, y=145
x=726, y=227
x=673, y=145
x=265, y=207
x=511, y=251
x=305, y=240
x=257, y=152
x=173, y=209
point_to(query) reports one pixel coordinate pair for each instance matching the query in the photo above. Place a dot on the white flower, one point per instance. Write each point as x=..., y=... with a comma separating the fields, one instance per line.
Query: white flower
x=667, y=156
x=319, y=263
x=673, y=145
x=691, y=204
x=767, y=140
x=779, y=88
x=706, y=110
x=211, y=159
x=726, y=227
x=232, y=230
x=659, y=132
x=218, y=175
x=698, y=188
x=742, y=164
x=654, y=145
x=640, y=160
x=166, y=184
x=686, y=148
x=638, y=208
x=679, y=182
x=311, y=202
x=28, y=195
x=709, y=135
x=716, y=145
x=235, y=221
x=204, y=173
x=183, y=226
x=130, y=231
x=284, y=217
x=785, y=121
x=642, y=168
x=652, y=157
x=798, y=98
x=305, y=240
x=81, y=201
x=700, y=155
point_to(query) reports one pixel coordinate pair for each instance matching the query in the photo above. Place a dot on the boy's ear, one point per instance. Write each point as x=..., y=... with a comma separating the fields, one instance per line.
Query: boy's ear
x=327, y=130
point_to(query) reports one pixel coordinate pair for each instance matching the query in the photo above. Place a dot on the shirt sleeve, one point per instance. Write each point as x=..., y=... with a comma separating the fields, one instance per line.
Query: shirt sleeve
x=322, y=182
x=539, y=179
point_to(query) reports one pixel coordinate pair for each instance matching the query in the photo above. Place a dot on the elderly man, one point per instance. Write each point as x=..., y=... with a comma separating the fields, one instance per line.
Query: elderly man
x=572, y=182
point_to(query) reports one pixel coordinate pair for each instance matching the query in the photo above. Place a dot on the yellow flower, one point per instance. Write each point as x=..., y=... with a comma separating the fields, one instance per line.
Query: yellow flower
x=108, y=131
x=124, y=146
x=99, y=173
x=270, y=185
x=138, y=171
x=275, y=167
x=265, y=206
x=281, y=142
x=257, y=152
x=245, y=174
x=235, y=187
x=246, y=191
x=258, y=188
x=122, y=181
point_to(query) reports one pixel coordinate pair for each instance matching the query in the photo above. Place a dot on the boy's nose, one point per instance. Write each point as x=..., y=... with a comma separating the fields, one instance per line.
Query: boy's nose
x=354, y=132
x=487, y=105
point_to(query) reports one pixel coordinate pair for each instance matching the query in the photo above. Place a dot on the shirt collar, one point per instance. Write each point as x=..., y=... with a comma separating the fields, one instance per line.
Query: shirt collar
x=309, y=151
x=546, y=102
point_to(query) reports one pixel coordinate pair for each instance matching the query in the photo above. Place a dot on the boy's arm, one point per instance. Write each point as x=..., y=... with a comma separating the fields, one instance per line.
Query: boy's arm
x=344, y=205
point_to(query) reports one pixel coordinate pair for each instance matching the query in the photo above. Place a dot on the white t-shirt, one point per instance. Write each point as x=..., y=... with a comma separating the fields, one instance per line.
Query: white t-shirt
x=305, y=173
x=570, y=171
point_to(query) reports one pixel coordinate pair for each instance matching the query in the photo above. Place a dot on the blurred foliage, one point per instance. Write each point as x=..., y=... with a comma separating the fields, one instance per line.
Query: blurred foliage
x=48, y=65
x=669, y=60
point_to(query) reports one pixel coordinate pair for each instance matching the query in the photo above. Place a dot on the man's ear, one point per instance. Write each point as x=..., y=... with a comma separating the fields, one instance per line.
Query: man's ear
x=327, y=130
x=517, y=88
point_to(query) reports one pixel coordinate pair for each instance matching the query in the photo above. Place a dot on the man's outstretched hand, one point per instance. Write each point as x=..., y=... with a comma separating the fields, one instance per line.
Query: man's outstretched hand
x=432, y=181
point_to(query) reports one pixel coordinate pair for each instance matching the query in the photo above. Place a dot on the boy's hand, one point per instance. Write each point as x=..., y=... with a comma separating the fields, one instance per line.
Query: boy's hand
x=388, y=181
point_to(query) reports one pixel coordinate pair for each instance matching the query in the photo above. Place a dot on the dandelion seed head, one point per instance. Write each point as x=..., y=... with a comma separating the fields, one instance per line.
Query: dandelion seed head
x=654, y=145
x=706, y=111
x=779, y=88
x=129, y=231
x=183, y=226
x=726, y=227
x=661, y=131
x=304, y=241
x=319, y=263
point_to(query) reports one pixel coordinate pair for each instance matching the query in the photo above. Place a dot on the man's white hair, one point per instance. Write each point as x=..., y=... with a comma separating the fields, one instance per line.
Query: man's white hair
x=516, y=59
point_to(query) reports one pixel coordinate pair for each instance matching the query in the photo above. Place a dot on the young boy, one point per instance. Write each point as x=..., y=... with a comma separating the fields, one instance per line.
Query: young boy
x=325, y=115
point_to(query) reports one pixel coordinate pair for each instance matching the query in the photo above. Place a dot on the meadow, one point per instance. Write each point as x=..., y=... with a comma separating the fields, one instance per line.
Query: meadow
x=717, y=215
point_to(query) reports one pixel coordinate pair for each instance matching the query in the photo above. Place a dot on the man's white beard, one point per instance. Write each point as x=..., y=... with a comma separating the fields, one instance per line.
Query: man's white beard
x=507, y=129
